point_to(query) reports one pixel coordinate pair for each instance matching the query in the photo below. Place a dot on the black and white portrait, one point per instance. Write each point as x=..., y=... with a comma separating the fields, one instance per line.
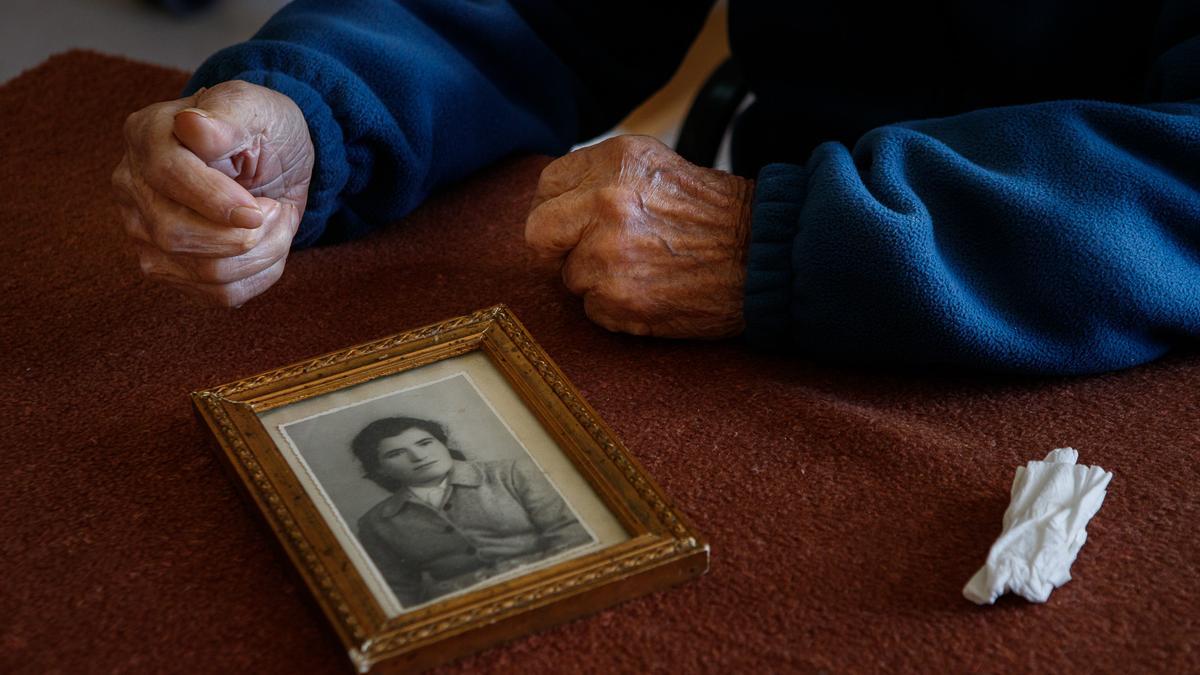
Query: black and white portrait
x=440, y=494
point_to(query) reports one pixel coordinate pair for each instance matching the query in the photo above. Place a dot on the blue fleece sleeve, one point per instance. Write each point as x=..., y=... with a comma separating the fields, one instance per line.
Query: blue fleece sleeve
x=1060, y=237
x=404, y=96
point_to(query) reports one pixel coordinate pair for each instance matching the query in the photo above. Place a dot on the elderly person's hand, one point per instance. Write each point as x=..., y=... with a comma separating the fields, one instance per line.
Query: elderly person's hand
x=212, y=187
x=654, y=244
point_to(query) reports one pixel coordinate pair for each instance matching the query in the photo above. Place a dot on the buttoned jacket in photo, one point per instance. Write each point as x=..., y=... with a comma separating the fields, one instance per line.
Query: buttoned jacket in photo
x=494, y=516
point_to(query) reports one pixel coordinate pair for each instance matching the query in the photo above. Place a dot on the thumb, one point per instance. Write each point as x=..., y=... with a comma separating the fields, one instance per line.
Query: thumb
x=214, y=140
x=217, y=129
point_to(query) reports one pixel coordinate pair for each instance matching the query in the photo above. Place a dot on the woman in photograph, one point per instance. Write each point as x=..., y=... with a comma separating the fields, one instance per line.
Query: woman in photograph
x=451, y=523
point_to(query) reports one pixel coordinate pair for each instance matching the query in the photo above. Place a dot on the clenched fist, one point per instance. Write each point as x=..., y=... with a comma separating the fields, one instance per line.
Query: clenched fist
x=212, y=187
x=654, y=244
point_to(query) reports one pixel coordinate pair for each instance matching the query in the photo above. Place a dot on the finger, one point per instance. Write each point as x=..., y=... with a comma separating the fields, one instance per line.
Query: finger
x=158, y=265
x=233, y=294
x=214, y=140
x=180, y=175
x=562, y=175
x=229, y=124
x=132, y=225
x=555, y=227
x=182, y=270
x=122, y=183
x=580, y=274
x=177, y=229
x=602, y=313
x=155, y=158
x=281, y=225
x=223, y=121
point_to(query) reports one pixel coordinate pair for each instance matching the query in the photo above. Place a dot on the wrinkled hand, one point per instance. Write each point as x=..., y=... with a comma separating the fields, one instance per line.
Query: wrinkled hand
x=654, y=244
x=212, y=187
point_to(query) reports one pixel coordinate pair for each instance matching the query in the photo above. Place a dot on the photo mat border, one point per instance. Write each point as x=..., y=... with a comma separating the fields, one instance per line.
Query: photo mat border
x=318, y=486
x=663, y=548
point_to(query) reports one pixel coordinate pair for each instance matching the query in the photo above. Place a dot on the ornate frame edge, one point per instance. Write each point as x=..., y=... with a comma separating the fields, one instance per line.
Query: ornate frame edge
x=367, y=651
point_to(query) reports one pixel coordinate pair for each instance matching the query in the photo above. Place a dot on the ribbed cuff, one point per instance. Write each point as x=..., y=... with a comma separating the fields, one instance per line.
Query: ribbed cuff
x=778, y=197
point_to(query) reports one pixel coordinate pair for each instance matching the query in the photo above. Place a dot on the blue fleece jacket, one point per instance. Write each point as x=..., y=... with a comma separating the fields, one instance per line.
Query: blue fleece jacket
x=973, y=186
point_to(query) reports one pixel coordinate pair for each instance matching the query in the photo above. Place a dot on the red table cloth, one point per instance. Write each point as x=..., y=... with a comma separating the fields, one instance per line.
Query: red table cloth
x=846, y=509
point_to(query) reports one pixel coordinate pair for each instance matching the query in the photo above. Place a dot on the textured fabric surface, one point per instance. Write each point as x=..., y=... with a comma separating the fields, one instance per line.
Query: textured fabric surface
x=846, y=509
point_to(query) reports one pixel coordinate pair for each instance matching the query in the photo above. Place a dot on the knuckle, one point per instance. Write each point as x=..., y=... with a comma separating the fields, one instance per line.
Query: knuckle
x=565, y=170
x=606, y=201
x=146, y=265
x=629, y=296
x=213, y=295
x=162, y=236
x=573, y=280
x=222, y=270
x=623, y=142
x=639, y=144
x=240, y=92
x=537, y=231
x=133, y=225
x=129, y=225
x=632, y=145
x=167, y=235
x=548, y=172
x=533, y=225
x=121, y=183
x=595, y=306
x=245, y=241
x=550, y=177
x=159, y=171
x=136, y=123
x=233, y=87
x=209, y=270
x=133, y=123
x=226, y=296
x=154, y=266
x=617, y=204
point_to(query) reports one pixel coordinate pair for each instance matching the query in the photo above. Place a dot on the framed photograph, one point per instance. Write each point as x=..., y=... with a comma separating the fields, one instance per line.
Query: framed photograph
x=445, y=489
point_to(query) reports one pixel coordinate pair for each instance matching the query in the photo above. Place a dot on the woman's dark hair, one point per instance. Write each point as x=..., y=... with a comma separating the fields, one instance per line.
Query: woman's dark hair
x=366, y=445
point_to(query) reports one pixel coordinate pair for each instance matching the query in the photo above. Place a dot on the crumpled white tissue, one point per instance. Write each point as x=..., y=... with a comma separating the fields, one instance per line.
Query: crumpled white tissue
x=1044, y=528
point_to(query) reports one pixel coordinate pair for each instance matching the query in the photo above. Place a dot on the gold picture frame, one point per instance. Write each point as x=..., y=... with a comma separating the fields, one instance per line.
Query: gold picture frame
x=283, y=435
